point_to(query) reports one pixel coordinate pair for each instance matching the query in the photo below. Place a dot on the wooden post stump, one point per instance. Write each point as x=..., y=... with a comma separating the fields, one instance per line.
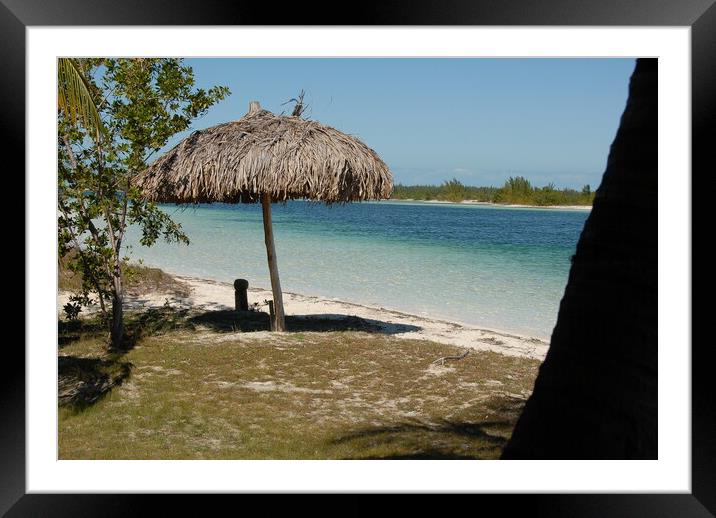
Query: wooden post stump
x=241, y=299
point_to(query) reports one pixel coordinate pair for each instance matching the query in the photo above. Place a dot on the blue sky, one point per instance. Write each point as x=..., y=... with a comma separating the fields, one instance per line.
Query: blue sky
x=478, y=120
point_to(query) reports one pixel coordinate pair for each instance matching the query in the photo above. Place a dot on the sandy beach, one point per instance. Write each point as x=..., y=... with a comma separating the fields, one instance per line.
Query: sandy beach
x=209, y=295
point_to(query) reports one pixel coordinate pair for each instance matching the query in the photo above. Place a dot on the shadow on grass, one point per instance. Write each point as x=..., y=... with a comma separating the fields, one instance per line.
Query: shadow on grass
x=248, y=321
x=138, y=324
x=84, y=381
x=155, y=321
x=444, y=439
x=69, y=331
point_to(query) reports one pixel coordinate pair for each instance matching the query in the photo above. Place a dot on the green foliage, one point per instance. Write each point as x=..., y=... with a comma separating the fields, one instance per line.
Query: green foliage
x=142, y=102
x=73, y=308
x=454, y=190
x=448, y=191
x=516, y=190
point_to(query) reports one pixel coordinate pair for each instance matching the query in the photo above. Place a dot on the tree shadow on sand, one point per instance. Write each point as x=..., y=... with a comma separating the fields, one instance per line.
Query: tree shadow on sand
x=248, y=321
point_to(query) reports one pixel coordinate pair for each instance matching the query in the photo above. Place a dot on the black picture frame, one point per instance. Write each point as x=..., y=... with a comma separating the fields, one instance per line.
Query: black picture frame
x=700, y=15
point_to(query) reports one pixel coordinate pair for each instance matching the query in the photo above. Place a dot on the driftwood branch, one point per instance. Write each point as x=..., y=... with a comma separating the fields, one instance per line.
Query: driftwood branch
x=456, y=357
x=299, y=107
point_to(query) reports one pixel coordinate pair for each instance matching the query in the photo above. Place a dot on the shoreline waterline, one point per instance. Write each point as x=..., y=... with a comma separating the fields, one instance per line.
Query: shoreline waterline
x=394, y=311
x=488, y=204
x=182, y=276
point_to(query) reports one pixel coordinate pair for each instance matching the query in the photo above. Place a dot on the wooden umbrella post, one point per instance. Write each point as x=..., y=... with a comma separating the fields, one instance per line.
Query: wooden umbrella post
x=280, y=324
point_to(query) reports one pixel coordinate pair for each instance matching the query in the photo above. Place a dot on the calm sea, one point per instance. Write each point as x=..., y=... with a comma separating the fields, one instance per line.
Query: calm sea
x=500, y=268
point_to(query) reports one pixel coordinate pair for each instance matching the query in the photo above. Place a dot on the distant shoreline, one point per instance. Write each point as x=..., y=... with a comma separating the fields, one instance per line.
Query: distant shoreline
x=492, y=204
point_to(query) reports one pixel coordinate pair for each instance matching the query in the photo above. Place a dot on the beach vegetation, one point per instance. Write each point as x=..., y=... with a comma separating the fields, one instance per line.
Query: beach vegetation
x=137, y=279
x=141, y=102
x=516, y=190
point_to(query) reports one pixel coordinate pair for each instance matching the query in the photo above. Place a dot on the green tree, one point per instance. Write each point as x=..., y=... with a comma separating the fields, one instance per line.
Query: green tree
x=516, y=190
x=587, y=195
x=454, y=190
x=142, y=103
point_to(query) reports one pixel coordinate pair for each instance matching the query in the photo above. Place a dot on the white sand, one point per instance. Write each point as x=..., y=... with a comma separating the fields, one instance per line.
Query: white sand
x=210, y=295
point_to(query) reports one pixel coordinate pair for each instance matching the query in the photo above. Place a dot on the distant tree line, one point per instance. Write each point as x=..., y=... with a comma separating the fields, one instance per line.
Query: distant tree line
x=517, y=190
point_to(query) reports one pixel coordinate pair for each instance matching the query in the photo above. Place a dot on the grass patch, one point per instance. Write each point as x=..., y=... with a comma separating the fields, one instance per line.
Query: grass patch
x=195, y=392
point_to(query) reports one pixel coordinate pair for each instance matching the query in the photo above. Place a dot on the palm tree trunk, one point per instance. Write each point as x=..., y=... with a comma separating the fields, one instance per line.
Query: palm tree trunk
x=596, y=393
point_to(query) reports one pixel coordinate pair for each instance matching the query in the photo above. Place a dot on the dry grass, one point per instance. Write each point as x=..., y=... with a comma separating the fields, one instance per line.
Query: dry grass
x=206, y=394
x=286, y=157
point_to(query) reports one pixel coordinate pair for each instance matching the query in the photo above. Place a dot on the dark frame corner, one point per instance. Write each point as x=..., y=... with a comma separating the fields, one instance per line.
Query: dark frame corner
x=700, y=15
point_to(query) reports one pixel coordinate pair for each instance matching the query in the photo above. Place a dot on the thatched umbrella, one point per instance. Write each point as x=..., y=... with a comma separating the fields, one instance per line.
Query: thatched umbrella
x=268, y=158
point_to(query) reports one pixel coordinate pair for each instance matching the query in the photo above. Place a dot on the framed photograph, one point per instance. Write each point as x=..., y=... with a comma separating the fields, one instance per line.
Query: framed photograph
x=665, y=48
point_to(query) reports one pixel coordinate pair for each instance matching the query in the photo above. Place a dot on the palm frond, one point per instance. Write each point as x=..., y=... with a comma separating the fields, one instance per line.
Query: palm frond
x=74, y=97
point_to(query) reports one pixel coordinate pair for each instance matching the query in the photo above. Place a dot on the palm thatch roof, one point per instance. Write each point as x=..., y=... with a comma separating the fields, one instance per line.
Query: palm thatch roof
x=283, y=156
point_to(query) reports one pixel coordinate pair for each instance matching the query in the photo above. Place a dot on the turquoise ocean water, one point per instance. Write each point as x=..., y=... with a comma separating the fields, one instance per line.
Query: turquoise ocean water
x=495, y=267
